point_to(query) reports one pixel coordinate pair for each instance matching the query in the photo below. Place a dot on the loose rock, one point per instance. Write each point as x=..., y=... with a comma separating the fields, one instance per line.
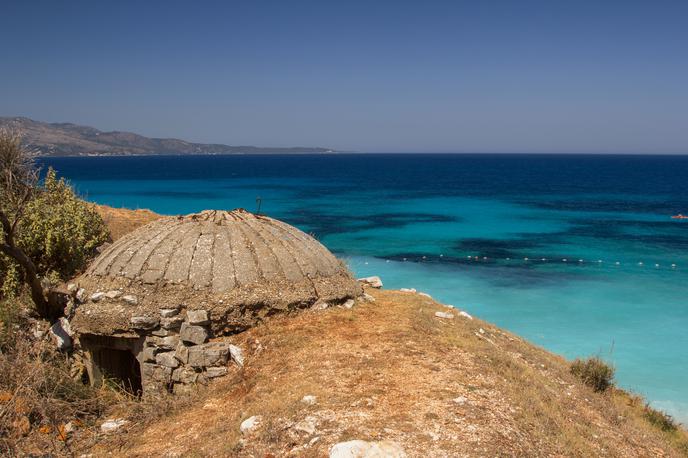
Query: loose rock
x=307, y=425
x=95, y=297
x=237, y=355
x=309, y=399
x=407, y=290
x=349, y=304
x=250, y=424
x=129, y=299
x=170, y=311
x=460, y=400
x=114, y=294
x=465, y=315
x=368, y=298
x=320, y=305
x=363, y=449
x=445, y=315
x=81, y=295
x=374, y=281
x=61, y=334
x=113, y=425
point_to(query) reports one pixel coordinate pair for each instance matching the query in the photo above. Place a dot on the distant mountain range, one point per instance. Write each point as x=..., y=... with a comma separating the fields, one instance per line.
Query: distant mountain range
x=66, y=139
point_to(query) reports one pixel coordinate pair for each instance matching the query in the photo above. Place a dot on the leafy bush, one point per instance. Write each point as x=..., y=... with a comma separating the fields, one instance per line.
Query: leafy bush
x=594, y=372
x=660, y=419
x=58, y=231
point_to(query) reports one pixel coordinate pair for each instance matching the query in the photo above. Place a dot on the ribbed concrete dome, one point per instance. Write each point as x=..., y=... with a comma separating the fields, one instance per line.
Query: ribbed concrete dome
x=216, y=250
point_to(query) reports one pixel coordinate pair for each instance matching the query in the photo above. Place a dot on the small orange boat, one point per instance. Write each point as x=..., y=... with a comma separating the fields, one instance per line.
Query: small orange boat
x=679, y=216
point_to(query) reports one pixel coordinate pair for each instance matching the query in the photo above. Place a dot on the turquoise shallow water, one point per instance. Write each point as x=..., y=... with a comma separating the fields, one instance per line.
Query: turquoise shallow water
x=415, y=220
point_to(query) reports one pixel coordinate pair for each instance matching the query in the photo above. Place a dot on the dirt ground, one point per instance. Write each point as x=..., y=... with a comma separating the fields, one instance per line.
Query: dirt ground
x=389, y=369
x=392, y=370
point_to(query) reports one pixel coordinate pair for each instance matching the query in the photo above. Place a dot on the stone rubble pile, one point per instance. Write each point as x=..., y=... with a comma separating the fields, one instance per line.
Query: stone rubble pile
x=176, y=350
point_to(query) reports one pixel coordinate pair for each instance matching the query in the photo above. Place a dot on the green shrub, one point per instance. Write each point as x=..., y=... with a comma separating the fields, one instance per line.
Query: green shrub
x=660, y=419
x=594, y=372
x=58, y=231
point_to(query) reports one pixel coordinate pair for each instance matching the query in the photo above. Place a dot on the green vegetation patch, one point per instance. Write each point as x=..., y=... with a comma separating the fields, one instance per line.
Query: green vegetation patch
x=594, y=372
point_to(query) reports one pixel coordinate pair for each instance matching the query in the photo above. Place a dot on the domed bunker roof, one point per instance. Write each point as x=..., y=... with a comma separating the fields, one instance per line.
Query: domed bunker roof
x=237, y=265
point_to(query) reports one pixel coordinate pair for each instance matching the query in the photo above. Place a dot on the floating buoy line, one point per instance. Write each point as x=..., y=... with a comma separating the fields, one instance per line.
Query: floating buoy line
x=534, y=260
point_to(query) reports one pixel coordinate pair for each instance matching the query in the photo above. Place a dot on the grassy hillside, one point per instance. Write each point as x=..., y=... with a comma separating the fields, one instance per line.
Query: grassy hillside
x=388, y=369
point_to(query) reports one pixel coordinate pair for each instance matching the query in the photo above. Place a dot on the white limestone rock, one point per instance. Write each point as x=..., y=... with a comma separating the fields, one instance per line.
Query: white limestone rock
x=408, y=290
x=465, y=315
x=349, y=304
x=112, y=425
x=363, y=449
x=95, y=297
x=445, y=315
x=130, y=299
x=237, y=355
x=461, y=400
x=250, y=424
x=308, y=425
x=309, y=399
x=373, y=282
x=61, y=333
x=320, y=305
x=114, y=294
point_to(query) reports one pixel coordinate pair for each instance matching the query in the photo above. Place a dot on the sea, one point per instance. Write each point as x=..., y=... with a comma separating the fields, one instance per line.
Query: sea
x=576, y=253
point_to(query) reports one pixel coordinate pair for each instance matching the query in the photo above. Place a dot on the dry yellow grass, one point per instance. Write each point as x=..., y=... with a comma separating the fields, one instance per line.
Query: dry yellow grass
x=121, y=221
x=391, y=370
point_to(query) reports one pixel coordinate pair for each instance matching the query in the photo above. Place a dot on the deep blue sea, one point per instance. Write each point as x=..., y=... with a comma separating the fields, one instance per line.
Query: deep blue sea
x=575, y=253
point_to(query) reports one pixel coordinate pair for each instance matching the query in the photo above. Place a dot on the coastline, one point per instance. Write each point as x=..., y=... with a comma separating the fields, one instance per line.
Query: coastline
x=402, y=367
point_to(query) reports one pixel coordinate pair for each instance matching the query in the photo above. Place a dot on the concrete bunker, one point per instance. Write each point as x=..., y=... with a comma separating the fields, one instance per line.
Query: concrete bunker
x=155, y=305
x=113, y=360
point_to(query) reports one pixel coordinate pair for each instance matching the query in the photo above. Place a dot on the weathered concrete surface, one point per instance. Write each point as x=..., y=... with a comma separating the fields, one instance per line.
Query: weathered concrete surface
x=237, y=266
x=216, y=249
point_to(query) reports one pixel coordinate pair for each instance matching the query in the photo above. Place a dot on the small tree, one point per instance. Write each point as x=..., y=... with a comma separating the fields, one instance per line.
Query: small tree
x=46, y=229
x=18, y=178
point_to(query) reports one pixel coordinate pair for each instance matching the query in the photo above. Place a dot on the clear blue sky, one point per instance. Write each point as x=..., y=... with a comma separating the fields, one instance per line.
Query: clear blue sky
x=503, y=76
